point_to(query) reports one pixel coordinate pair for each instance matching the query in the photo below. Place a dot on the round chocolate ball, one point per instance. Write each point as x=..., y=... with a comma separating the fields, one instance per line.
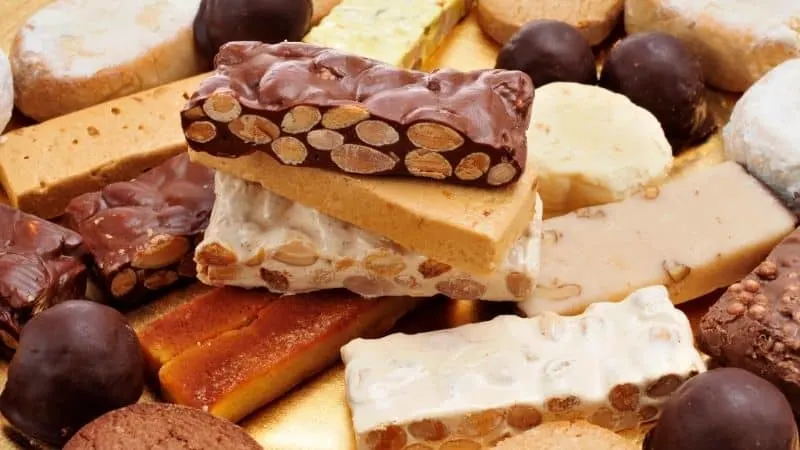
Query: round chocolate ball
x=271, y=21
x=727, y=408
x=657, y=72
x=75, y=362
x=549, y=51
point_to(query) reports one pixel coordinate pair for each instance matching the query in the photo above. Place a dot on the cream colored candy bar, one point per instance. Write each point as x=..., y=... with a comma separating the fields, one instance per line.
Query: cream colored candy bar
x=614, y=365
x=43, y=167
x=403, y=33
x=695, y=234
x=256, y=238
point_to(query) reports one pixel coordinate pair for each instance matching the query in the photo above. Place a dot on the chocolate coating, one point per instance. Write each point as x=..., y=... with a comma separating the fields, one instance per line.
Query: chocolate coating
x=657, y=72
x=271, y=21
x=549, y=51
x=727, y=408
x=75, y=362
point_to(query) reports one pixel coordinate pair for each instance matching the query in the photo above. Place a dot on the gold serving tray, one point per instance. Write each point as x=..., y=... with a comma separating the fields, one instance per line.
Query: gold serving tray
x=315, y=416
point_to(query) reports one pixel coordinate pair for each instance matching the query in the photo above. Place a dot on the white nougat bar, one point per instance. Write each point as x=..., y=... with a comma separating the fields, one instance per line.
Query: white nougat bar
x=256, y=238
x=404, y=33
x=614, y=365
x=694, y=234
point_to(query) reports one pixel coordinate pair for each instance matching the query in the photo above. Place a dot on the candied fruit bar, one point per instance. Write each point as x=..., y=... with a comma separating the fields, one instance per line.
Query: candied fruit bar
x=474, y=385
x=291, y=339
x=257, y=238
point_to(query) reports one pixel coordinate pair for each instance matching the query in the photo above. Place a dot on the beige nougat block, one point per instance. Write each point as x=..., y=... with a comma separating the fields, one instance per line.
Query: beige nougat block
x=471, y=229
x=256, y=238
x=43, y=167
x=695, y=234
x=404, y=33
x=615, y=365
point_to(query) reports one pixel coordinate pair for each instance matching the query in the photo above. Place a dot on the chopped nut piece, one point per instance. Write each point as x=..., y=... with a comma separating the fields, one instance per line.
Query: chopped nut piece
x=519, y=284
x=524, y=417
x=676, y=271
x=222, y=107
x=425, y=163
x=461, y=288
x=215, y=254
x=162, y=250
x=325, y=140
x=290, y=150
x=501, y=174
x=390, y=438
x=296, y=253
x=123, y=283
x=625, y=397
x=202, y=131
x=276, y=281
x=428, y=430
x=344, y=116
x=482, y=423
x=435, y=137
x=361, y=159
x=160, y=279
x=376, y=133
x=432, y=269
x=254, y=129
x=300, y=119
x=473, y=166
x=384, y=263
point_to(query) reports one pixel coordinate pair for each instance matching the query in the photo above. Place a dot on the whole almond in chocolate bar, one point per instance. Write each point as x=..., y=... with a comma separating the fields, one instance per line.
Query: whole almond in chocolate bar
x=312, y=106
x=141, y=233
x=40, y=265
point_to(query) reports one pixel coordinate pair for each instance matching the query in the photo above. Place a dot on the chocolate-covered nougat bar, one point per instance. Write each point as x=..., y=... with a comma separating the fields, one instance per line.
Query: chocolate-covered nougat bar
x=312, y=106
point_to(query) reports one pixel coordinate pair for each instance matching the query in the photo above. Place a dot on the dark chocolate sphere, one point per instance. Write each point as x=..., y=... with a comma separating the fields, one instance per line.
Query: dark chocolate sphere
x=549, y=51
x=729, y=409
x=657, y=72
x=271, y=21
x=75, y=362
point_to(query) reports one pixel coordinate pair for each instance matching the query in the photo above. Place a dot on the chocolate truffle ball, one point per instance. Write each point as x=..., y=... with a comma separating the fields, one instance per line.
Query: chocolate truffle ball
x=727, y=408
x=75, y=362
x=549, y=51
x=271, y=21
x=657, y=72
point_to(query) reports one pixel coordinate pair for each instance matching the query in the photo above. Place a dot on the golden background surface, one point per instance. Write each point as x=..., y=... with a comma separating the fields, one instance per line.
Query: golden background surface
x=314, y=416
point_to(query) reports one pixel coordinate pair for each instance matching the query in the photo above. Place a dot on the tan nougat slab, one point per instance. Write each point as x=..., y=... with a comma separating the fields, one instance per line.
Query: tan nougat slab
x=695, y=234
x=469, y=228
x=44, y=166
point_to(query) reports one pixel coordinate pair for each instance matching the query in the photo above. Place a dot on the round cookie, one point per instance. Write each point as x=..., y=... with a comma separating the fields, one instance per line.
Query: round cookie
x=73, y=54
x=162, y=426
x=737, y=41
x=578, y=435
x=761, y=134
x=6, y=92
x=592, y=146
x=595, y=19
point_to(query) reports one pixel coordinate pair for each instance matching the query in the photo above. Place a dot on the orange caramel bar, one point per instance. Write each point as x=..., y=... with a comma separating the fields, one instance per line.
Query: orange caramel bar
x=292, y=338
x=199, y=320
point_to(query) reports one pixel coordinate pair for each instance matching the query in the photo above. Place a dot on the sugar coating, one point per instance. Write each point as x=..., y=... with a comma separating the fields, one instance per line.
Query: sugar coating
x=404, y=33
x=291, y=248
x=614, y=365
x=6, y=92
x=78, y=38
x=759, y=136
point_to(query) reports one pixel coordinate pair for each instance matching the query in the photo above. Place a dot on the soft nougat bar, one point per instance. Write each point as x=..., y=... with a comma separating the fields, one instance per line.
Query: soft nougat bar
x=614, y=365
x=259, y=239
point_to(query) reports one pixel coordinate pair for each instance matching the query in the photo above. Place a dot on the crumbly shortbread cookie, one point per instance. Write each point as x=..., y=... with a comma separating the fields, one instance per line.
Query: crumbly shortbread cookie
x=595, y=19
x=591, y=146
x=579, y=435
x=759, y=137
x=6, y=92
x=73, y=54
x=738, y=41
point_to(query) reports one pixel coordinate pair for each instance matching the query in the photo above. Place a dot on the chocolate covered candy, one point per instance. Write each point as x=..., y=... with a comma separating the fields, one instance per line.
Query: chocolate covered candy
x=40, y=265
x=755, y=324
x=657, y=72
x=727, y=408
x=221, y=21
x=141, y=233
x=75, y=362
x=549, y=51
x=311, y=106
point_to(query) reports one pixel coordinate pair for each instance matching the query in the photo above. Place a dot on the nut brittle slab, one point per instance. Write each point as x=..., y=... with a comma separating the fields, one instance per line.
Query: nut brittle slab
x=469, y=228
x=694, y=234
x=614, y=365
x=257, y=238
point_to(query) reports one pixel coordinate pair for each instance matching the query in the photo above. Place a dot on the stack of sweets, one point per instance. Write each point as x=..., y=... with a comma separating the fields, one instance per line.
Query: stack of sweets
x=338, y=171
